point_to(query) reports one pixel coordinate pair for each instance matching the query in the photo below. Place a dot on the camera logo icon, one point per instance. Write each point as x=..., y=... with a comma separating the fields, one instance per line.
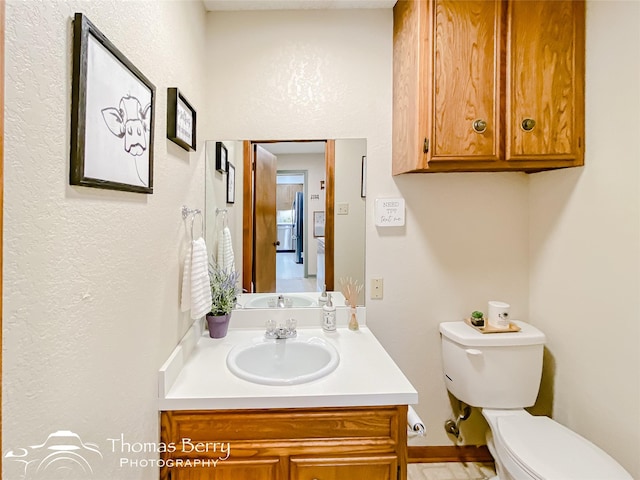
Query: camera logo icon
x=63, y=456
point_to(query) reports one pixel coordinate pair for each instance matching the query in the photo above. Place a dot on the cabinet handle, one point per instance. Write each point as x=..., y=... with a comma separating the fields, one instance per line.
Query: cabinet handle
x=528, y=124
x=479, y=126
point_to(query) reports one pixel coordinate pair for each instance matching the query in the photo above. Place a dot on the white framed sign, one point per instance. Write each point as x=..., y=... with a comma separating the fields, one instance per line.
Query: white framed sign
x=389, y=212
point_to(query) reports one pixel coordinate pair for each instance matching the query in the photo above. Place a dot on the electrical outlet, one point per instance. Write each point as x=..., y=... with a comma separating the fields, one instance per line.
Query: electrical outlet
x=376, y=288
x=342, y=209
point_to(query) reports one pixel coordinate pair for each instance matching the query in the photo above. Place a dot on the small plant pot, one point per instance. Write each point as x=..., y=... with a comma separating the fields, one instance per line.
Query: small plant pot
x=218, y=325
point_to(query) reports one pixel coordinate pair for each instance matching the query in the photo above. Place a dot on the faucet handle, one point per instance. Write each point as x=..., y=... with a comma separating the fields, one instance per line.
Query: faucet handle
x=271, y=326
x=292, y=324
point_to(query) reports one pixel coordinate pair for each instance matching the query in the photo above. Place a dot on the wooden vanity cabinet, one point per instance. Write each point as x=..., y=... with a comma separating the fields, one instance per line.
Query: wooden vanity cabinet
x=337, y=443
x=488, y=85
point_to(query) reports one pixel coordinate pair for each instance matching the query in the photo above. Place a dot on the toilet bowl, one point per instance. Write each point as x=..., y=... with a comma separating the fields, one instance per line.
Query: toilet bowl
x=500, y=374
x=536, y=448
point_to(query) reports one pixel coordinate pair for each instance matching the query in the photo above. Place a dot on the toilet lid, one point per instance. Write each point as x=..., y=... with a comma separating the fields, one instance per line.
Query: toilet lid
x=550, y=451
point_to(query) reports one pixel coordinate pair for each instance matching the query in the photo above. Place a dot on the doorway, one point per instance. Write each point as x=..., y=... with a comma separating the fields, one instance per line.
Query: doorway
x=293, y=272
x=266, y=224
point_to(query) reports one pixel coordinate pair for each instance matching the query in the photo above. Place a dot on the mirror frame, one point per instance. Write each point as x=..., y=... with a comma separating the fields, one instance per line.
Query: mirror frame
x=247, y=210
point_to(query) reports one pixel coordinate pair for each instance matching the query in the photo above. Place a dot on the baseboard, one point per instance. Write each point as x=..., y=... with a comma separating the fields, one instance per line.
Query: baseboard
x=437, y=454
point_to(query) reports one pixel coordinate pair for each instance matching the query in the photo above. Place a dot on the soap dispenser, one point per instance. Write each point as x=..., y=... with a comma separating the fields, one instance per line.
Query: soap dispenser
x=329, y=316
x=322, y=299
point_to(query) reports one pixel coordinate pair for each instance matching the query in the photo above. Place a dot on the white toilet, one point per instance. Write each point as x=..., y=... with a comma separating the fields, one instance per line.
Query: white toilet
x=500, y=373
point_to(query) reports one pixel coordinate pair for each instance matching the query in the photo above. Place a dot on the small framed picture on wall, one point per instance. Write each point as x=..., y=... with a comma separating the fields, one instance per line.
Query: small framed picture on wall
x=231, y=183
x=221, y=157
x=181, y=120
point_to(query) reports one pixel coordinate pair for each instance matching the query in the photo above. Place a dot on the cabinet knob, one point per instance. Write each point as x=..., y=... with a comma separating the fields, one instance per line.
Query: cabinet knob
x=528, y=124
x=276, y=243
x=479, y=126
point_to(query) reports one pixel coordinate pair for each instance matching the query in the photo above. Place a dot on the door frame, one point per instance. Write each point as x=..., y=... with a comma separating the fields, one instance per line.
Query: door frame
x=248, y=190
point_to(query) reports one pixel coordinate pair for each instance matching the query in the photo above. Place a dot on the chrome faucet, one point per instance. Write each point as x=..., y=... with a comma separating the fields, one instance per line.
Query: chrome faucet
x=280, y=301
x=280, y=332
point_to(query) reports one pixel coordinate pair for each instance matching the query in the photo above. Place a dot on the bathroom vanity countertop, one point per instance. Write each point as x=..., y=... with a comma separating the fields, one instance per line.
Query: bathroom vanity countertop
x=196, y=376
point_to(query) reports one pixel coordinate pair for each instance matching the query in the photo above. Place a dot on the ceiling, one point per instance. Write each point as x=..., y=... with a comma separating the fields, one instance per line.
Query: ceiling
x=212, y=5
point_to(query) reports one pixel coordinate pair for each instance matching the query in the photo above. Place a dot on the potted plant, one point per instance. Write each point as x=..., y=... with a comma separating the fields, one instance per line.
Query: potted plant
x=477, y=318
x=224, y=292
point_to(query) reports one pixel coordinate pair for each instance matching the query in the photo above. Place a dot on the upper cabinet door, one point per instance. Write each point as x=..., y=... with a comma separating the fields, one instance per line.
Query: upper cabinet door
x=410, y=75
x=466, y=80
x=545, y=82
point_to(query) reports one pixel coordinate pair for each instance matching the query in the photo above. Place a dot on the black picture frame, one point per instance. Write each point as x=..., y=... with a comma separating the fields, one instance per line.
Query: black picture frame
x=181, y=120
x=222, y=157
x=231, y=183
x=112, y=123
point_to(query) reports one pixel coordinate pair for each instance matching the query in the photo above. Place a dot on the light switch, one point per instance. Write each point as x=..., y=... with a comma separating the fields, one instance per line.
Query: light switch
x=342, y=209
x=376, y=288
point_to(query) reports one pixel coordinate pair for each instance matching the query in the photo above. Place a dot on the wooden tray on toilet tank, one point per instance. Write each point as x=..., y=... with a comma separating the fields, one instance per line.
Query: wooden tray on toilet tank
x=489, y=329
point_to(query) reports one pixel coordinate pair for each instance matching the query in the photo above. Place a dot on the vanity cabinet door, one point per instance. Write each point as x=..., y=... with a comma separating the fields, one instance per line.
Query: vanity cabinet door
x=256, y=469
x=384, y=467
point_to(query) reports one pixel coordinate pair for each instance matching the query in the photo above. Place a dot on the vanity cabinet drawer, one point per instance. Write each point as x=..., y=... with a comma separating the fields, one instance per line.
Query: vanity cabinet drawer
x=341, y=468
x=299, y=427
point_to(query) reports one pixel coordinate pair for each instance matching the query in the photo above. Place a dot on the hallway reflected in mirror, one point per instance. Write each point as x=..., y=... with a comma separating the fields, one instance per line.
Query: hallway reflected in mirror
x=290, y=275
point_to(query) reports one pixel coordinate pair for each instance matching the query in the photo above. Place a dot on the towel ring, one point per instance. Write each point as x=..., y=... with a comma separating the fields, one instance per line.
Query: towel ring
x=193, y=218
x=222, y=211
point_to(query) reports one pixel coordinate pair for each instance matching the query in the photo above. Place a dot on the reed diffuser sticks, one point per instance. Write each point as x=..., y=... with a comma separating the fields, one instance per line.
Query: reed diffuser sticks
x=351, y=290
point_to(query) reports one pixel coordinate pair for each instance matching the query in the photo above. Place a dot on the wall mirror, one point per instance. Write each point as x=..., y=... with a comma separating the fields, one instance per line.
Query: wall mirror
x=299, y=213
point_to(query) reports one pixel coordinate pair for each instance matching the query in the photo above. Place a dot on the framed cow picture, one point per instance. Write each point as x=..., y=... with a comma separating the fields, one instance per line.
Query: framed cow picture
x=112, y=115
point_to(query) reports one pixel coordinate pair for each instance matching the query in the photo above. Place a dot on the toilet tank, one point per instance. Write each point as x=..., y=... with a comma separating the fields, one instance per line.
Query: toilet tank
x=492, y=370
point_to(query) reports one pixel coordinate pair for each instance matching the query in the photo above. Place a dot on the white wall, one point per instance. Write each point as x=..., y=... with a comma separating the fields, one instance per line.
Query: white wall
x=91, y=277
x=349, y=245
x=585, y=242
x=327, y=74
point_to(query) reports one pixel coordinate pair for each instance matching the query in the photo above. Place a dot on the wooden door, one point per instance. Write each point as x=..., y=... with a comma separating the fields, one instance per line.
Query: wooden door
x=466, y=80
x=256, y=469
x=545, y=81
x=383, y=467
x=264, y=220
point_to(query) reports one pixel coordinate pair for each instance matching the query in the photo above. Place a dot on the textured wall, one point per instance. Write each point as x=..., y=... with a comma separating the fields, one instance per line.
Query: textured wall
x=91, y=277
x=327, y=74
x=585, y=250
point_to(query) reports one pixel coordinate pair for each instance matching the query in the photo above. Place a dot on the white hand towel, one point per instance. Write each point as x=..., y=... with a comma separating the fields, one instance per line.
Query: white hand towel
x=225, y=257
x=200, y=286
x=185, y=301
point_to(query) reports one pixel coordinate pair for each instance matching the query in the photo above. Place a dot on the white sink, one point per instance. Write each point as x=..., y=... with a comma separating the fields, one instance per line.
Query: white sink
x=283, y=362
x=271, y=300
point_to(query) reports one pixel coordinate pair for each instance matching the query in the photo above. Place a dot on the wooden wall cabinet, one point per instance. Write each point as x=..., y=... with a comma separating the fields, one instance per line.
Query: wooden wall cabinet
x=488, y=85
x=335, y=443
